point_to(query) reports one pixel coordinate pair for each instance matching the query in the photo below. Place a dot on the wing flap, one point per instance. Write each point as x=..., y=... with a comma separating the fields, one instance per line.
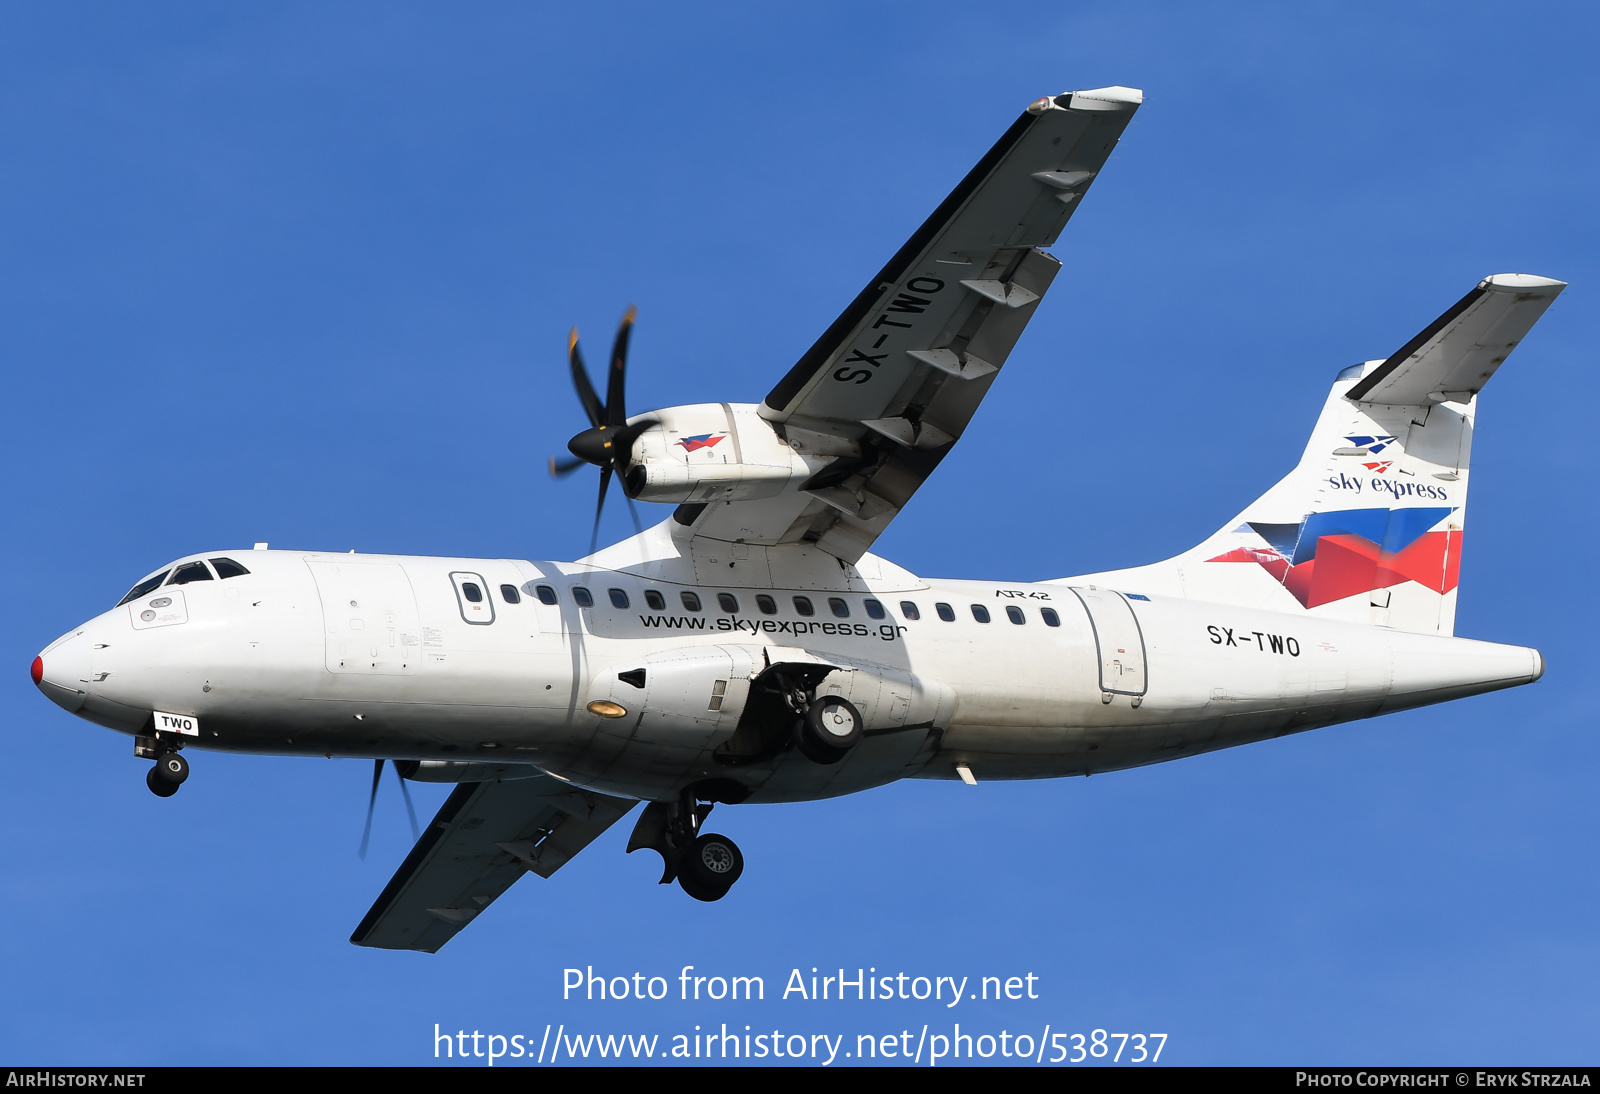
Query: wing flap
x=1456, y=354
x=484, y=837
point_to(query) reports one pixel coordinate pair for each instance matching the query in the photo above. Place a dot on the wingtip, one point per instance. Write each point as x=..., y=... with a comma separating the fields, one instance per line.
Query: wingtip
x=1116, y=93
x=1094, y=100
x=1520, y=282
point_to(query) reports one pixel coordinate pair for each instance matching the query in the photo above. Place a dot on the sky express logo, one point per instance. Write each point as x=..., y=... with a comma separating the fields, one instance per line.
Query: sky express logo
x=1373, y=445
x=1393, y=488
x=704, y=440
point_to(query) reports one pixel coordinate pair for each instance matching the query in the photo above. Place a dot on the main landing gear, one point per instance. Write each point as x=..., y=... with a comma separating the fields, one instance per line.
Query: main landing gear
x=831, y=726
x=170, y=770
x=709, y=867
x=704, y=864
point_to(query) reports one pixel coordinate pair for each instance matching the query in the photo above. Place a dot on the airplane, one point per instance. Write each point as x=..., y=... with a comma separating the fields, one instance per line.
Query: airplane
x=750, y=648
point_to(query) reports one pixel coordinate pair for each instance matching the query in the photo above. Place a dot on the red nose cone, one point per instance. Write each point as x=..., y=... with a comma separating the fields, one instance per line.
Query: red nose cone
x=38, y=669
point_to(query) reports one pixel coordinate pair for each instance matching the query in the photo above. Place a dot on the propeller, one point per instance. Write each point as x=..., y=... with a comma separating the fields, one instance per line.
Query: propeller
x=377, y=776
x=609, y=438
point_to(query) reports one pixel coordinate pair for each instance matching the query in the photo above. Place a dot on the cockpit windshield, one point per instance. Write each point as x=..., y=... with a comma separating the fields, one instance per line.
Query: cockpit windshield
x=143, y=587
x=184, y=574
x=189, y=571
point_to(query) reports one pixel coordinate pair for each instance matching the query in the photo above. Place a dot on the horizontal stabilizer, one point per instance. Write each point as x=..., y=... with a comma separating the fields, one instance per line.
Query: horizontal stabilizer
x=1454, y=357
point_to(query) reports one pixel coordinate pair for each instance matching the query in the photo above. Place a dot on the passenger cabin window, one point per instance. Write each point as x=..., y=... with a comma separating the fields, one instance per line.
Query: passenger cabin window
x=728, y=602
x=619, y=599
x=691, y=602
x=767, y=605
x=143, y=587
x=470, y=590
x=909, y=610
x=1051, y=619
x=980, y=613
x=582, y=597
x=509, y=594
x=874, y=609
x=1014, y=614
x=189, y=571
x=546, y=594
x=802, y=604
x=946, y=612
x=227, y=568
x=655, y=600
x=840, y=609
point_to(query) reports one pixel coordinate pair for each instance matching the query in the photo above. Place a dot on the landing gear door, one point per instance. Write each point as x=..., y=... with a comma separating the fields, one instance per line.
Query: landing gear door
x=1118, y=640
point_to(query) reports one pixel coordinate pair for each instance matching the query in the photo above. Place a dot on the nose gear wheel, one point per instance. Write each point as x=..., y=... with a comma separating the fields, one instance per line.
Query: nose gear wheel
x=167, y=775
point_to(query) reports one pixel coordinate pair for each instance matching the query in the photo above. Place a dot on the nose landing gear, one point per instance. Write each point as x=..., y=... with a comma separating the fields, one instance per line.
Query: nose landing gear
x=167, y=775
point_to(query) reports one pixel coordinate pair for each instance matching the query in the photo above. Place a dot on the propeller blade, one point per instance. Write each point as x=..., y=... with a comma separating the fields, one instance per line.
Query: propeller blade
x=560, y=469
x=616, y=401
x=366, y=834
x=580, y=380
x=637, y=527
x=416, y=833
x=600, y=506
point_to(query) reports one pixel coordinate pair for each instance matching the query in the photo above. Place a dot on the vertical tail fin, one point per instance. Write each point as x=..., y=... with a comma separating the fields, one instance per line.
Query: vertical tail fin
x=1368, y=526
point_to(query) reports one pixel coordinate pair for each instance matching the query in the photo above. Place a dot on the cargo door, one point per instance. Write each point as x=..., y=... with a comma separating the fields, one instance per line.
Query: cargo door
x=369, y=617
x=1118, y=640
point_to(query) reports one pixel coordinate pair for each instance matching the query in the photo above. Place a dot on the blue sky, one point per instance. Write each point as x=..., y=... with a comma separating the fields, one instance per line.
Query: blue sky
x=302, y=273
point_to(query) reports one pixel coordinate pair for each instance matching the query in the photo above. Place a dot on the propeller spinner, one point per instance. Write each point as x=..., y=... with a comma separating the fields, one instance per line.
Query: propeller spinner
x=609, y=438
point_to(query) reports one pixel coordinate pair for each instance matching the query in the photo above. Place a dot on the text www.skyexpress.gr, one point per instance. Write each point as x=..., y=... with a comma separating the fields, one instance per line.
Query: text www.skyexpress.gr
x=888, y=632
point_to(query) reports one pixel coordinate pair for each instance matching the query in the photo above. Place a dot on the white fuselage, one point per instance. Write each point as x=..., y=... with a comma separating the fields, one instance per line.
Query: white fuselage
x=384, y=656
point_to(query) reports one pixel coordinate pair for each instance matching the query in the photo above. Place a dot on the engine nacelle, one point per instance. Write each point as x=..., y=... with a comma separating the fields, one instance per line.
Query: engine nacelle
x=715, y=452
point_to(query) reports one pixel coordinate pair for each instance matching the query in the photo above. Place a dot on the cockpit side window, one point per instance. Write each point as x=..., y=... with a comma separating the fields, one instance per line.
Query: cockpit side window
x=226, y=568
x=143, y=587
x=189, y=571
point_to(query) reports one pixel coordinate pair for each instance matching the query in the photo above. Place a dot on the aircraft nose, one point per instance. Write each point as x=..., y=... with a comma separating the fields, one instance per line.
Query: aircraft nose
x=62, y=672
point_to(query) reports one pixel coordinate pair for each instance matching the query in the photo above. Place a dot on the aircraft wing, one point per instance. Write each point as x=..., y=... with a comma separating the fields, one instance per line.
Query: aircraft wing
x=892, y=383
x=485, y=837
x=1458, y=352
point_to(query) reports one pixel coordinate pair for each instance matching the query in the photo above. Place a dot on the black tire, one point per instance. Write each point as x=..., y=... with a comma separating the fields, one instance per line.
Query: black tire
x=711, y=863
x=832, y=727
x=171, y=769
x=159, y=787
x=699, y=891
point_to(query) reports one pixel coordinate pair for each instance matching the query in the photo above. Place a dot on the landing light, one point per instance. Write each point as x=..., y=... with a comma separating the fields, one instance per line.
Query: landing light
x=607, y=709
